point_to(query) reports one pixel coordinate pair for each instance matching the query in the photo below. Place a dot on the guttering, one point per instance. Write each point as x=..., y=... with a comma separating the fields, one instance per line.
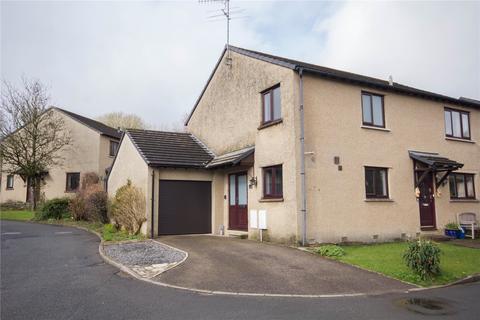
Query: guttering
x=303, y=209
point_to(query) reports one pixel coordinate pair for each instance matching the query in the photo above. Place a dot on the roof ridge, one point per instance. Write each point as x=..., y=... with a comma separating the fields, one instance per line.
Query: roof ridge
x=202, y=144
x=85, y=121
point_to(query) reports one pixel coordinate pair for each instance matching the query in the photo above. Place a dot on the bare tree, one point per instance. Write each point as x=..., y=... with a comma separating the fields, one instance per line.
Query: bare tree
x=31, y=134
x=122, y=120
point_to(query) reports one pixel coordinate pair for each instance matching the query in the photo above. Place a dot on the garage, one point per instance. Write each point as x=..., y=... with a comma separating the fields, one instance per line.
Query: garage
x=185, y=207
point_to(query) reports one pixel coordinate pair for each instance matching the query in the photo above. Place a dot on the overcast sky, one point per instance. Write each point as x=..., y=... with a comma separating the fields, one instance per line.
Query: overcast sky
x=153, y=58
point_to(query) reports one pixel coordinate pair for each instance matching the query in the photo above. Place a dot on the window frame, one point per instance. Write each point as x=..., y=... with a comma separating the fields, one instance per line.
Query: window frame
x=263, y=93
x=116, y=151
x=67, y=189
x=465, y=175
x=372, y=94
x=273, y=194
x=376, y=196
x=461, y=112
x=7, y=185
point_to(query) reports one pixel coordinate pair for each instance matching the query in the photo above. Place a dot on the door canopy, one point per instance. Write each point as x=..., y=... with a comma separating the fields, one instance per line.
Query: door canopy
x=428, y=163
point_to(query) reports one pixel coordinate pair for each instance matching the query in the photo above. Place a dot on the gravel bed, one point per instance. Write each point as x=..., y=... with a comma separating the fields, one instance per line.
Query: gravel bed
x=142, y=253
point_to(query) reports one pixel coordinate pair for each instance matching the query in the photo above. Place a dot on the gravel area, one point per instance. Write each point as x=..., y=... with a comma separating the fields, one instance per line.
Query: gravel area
x=143, y=253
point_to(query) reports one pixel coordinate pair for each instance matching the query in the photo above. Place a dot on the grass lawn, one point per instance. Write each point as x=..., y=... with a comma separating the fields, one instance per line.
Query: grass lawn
x=456, y=262
x=21, y=215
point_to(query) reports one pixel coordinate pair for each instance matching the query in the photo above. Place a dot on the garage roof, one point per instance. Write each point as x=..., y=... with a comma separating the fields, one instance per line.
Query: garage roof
x=170, y=149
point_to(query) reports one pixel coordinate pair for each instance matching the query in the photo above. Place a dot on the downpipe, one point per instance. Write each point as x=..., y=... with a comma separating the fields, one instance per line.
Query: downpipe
x=303, y=210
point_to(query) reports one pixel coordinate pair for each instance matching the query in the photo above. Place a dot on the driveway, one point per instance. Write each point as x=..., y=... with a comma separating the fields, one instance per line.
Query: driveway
x=235, y=265
x=50, y=272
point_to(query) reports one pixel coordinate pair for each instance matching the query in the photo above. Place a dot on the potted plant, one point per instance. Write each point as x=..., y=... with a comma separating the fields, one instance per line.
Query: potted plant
x=453, y=230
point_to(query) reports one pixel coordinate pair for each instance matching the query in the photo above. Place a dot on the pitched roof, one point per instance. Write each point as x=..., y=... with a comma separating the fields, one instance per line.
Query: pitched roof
x=93, y=124
x=231, y=158
x=170, y=149
x=339, y=75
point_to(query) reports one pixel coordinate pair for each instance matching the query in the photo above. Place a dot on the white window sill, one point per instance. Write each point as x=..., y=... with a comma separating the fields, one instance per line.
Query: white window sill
x=375, y=128
x=378, y=200
x=459, y=140
x=465, y=200
x=270, y=200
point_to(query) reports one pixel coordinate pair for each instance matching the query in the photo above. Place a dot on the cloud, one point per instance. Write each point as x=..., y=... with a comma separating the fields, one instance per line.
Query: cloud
x=435, y=46
x=153, y=58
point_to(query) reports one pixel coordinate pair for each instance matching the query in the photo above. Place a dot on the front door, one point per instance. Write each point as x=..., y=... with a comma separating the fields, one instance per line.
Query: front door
x=426, y=202
x=237, y=201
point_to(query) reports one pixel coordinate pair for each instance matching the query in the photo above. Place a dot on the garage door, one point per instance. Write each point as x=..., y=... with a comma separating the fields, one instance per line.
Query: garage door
x=185, y=207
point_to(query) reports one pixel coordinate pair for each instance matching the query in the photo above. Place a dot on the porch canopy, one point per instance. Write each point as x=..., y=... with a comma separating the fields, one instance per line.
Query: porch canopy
x=232, y=158
x=427, y=163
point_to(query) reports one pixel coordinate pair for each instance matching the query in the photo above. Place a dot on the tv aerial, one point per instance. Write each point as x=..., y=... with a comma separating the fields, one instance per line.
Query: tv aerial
x=228, y=13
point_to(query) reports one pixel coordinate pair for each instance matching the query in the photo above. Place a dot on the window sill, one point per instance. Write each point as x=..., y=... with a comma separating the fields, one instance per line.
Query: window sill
x=428, y=228
x=459, y=140
x=269, y=124
x=70, y=191
x=378, y=200
x=375, y=128
x=8, y=189
x=465, y=200
x=271, y=200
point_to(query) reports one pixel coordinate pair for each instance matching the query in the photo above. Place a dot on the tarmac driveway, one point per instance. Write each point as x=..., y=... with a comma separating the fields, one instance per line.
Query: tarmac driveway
x=235, y=265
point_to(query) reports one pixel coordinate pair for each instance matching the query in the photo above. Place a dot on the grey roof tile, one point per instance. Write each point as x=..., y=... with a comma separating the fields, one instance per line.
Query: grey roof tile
x=169, y=149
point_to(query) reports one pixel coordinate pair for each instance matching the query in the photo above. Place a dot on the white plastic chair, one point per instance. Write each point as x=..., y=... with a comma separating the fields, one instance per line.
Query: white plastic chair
x=468, y=221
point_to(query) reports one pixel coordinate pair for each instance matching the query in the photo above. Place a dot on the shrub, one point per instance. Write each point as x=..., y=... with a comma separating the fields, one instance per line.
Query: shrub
x=56, y=208
x=452, y=226
x=330, y=250
x=90, y=202
x=128, y=208
x=14, y=205
x=77, y=208
x=423, y=257
x=96, y=204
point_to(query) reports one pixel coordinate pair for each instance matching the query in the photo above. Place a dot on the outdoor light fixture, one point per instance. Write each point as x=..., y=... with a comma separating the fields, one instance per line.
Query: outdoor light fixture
x=252, y=182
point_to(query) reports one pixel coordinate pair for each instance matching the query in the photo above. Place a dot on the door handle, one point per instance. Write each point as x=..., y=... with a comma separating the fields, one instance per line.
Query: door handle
x=425, y=204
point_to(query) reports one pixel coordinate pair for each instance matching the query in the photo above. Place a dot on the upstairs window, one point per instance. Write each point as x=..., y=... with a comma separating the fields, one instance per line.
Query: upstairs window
x=271, y=105
x=272, y=182
x=10, y=180
x=113, y=148
x=457, y=124
x=73, y=181
x=373, y=110
x=462, y=186
x=376, y=182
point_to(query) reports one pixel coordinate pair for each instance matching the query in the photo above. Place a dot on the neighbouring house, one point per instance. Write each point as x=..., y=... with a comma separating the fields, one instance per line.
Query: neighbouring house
x=93, y=148
x=327, y=155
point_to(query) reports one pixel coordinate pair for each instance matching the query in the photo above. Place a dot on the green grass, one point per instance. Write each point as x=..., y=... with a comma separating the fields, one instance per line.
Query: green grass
x=20, y=215
x=456, y=262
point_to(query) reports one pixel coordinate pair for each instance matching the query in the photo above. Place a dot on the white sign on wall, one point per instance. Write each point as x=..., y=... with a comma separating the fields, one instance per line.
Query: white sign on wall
x=262, y=219
x=253, y=219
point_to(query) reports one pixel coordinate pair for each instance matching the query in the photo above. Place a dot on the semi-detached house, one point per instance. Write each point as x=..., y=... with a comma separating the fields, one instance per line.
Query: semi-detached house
x=328, y=155
x=92, y=149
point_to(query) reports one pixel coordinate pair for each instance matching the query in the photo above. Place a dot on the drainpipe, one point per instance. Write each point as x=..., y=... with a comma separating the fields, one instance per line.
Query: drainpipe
x=152, y=228
x=302, y=162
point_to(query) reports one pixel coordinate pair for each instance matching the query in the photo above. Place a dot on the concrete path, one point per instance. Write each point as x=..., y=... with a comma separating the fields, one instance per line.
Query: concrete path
x=235, y=265
x=51, y=272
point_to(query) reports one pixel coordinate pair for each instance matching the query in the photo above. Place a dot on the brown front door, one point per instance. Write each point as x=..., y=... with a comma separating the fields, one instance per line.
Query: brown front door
x=426, y=202
x=237, y=201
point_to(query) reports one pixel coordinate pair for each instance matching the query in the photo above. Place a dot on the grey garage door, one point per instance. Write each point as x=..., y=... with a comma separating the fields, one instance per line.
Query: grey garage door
x=185, y=207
